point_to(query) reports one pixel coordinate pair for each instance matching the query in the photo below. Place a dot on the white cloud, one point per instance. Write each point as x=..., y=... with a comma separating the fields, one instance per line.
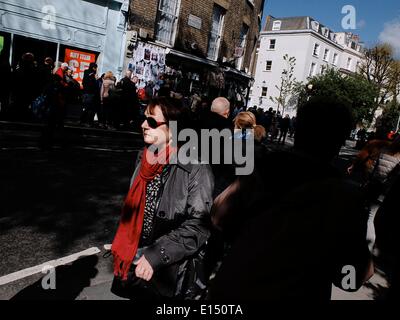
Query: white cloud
x=390, y=34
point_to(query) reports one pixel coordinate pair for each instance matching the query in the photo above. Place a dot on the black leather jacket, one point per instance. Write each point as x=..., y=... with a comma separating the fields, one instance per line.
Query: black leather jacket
x=181, y=227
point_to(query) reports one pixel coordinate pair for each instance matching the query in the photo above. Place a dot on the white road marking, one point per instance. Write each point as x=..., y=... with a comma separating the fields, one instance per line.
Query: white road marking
x=54, y=263
x=107, y=246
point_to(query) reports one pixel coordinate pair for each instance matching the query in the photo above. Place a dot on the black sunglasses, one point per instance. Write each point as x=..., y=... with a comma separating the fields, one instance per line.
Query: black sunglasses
x=153, y=123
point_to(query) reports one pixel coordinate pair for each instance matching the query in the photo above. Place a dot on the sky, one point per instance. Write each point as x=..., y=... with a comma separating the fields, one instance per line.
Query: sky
x=376, y=21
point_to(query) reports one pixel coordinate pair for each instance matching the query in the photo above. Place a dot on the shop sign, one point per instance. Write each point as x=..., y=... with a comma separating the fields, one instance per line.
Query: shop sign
x=194, y=21
x=239, y=52
x=79, y=61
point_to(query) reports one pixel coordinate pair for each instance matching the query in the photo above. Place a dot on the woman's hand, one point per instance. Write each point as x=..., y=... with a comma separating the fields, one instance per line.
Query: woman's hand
x=143, y=269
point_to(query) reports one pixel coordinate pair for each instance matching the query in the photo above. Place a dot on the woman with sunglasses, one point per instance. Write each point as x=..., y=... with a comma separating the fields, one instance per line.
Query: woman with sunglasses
x=165, y=223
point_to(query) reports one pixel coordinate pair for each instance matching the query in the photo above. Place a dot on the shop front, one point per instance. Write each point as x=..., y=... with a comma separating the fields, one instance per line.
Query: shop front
x=74, y=31
x=187, y=74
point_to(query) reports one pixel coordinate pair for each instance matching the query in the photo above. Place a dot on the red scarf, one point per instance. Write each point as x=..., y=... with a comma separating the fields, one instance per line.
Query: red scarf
x=127, y=239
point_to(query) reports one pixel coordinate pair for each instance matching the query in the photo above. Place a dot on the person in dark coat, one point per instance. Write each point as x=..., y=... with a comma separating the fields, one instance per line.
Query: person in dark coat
x=284, y=128
x=129, y=108
x=91, y=94
x=5, y=71
x=24, y=90
x=295, y=233
x=387, y=223
x=165, y=223
x=218, y=118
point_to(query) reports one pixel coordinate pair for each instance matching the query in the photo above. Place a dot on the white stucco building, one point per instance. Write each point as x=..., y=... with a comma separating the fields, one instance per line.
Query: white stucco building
x=315, y=48
x=91, y=31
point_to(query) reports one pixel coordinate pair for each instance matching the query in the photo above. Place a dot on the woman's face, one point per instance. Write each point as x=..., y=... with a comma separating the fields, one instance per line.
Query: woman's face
x=159, y=136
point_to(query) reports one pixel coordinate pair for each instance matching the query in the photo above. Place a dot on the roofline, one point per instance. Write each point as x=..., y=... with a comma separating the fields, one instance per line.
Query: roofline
x=306, y=31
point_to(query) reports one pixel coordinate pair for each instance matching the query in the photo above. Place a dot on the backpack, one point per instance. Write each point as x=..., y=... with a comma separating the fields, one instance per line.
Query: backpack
x=39, y=107
x=374, y=187
x=142, y=94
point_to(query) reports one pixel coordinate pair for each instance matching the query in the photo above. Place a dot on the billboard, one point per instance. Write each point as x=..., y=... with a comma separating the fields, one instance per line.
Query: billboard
x=79, y=62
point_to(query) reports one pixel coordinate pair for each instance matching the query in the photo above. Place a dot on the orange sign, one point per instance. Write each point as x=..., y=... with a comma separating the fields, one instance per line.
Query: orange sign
x=79, y=62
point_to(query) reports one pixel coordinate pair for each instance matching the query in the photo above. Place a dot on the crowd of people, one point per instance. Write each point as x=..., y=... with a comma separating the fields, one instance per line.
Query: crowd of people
x=286, y=231
x=105, y=102
x=198, y=231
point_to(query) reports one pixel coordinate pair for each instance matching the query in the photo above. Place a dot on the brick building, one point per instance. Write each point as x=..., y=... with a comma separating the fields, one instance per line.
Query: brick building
x=204, y=46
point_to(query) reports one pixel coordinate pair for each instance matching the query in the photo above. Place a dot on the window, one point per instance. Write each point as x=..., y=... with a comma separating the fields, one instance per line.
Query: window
x=276, y=25
x=167, y=18
x=349, y=61
x=335, y=59
x=312, y=69
x=264, y=92
x=316, y=50
x=315, y=25
x=325, y=32
x=322, y=69
x=242, y=44
x=216, y=32
x=269, y=66
x=272, y=44
x=326, y=55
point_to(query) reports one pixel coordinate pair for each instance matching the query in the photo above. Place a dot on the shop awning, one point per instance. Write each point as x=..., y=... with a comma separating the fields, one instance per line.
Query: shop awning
x=192, y=57
x=237, y=72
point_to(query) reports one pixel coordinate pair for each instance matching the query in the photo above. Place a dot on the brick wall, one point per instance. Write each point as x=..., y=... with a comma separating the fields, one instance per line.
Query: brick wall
x=143, y=14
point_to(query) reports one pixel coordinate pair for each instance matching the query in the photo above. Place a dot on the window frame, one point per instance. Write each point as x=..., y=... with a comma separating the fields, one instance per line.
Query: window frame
x=218, y=35
x=175, y=16
x=266, y=66
x=274, y=28
x=349, y=63
x=243, y=44
x=262, y=92
x=327, y=53
x=335, y=58
x=270, y=44
x=318, y=51
x=313, y=67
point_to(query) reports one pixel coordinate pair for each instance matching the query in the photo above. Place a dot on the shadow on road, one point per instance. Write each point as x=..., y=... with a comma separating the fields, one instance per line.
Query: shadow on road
x=69, y=280
x=67, y=194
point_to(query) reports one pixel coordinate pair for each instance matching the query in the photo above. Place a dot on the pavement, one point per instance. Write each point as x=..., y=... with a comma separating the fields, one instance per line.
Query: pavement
x=61, y=205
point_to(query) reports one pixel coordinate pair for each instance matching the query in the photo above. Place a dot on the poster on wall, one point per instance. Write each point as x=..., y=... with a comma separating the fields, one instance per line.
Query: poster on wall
x=79, y=61
x=148, y=62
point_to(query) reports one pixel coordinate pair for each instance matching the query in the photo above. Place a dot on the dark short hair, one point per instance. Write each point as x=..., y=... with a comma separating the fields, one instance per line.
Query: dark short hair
x=322, y=126
x=170, y=108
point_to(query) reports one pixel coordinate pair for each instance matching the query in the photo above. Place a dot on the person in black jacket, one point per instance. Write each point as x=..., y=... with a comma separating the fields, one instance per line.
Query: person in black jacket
x=284, y=128
x=129, y=108
x=91, y=94
x=160, y=242
x=302, y=226
x=5, y=71
x=218, y=118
